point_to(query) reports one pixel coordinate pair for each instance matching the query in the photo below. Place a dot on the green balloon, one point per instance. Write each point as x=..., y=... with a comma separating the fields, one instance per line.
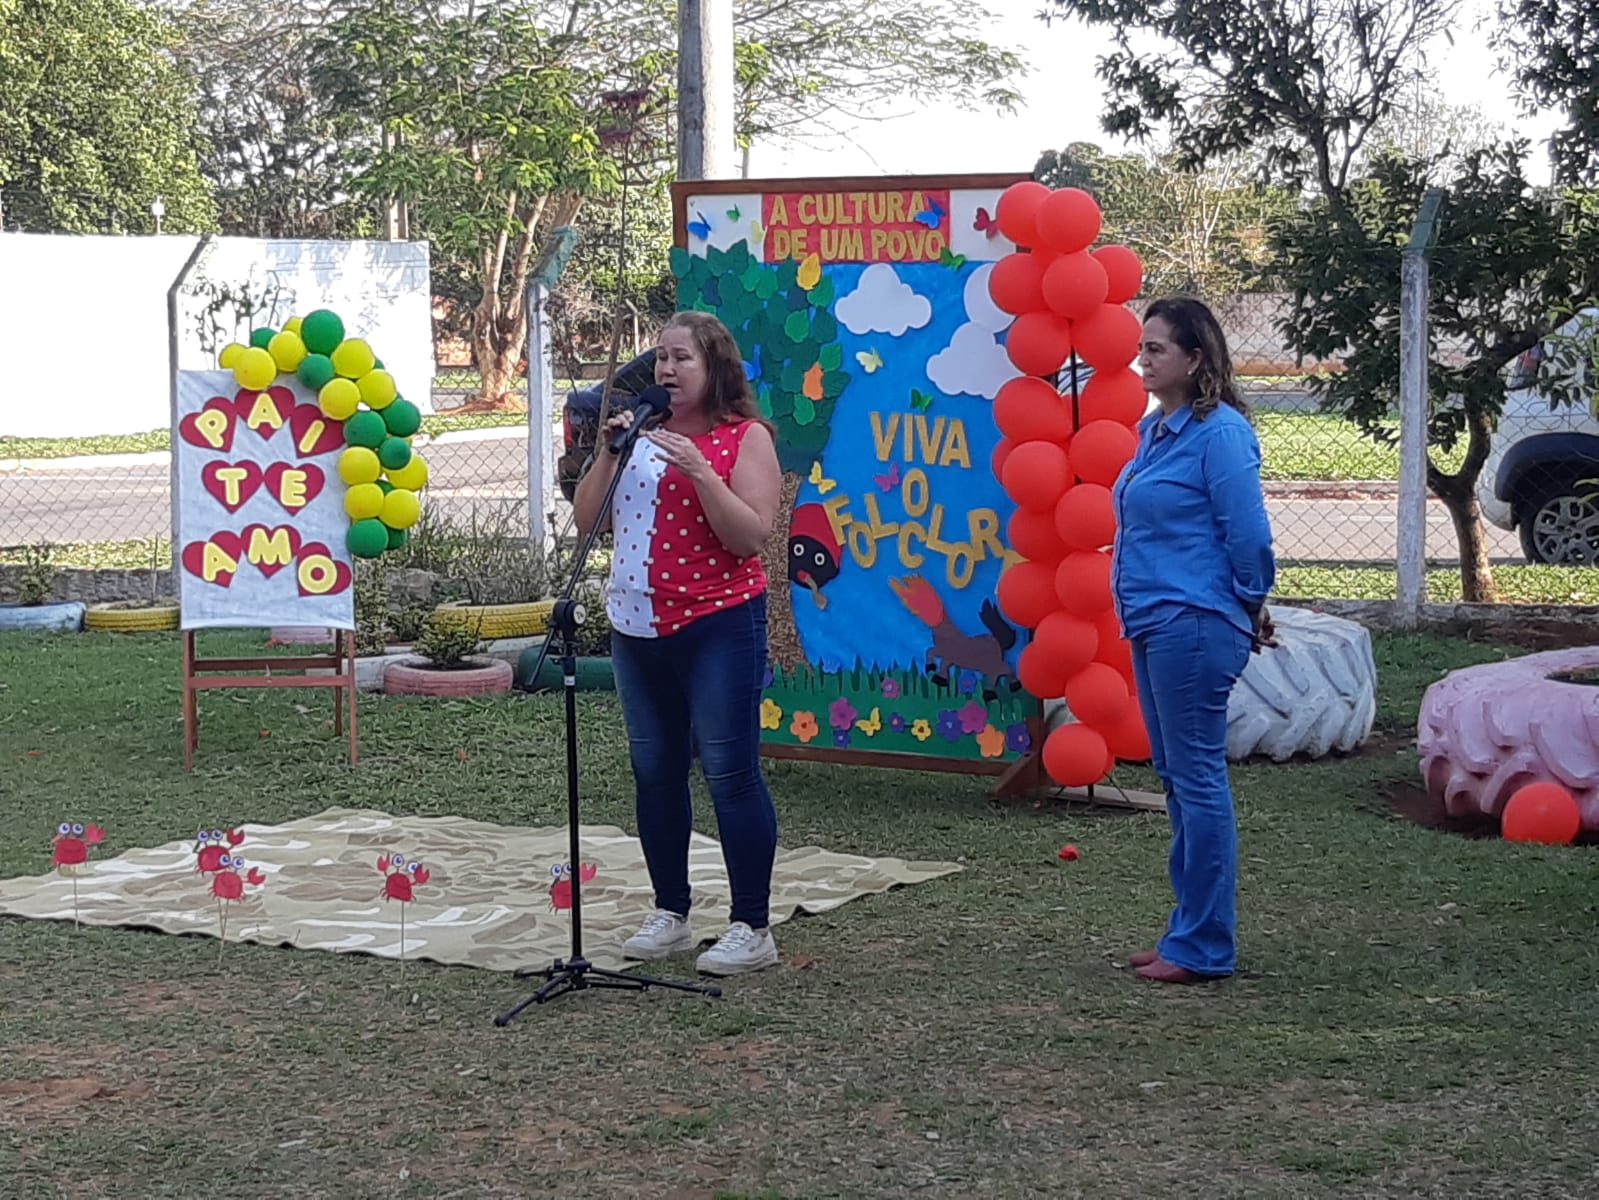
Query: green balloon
x=365, y=429
x=402, y=418
x=386, y=486
x=368, y=539
x=377, y=363
x=261, y=337
x=321, y=331
x=316, y=371
x=397, y=538
x=394, y=453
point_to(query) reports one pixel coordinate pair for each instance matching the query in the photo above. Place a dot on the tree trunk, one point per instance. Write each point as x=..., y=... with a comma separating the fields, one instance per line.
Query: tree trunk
x=781, y=634
x=496, y=350
x=1459, y=494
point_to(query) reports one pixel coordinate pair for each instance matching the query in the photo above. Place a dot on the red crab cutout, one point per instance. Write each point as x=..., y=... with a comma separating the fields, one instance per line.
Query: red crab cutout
x=70, y=846
x=227, y=883
x=400, y=877
x=561, y=889
x=212, y=847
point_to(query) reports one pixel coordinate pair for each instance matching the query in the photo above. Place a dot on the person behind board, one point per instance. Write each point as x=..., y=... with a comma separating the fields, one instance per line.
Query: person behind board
x=687, y=603
x=1193, y=566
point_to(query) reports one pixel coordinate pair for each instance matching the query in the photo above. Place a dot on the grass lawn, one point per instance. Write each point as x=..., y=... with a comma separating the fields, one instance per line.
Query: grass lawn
x=1414, y=1013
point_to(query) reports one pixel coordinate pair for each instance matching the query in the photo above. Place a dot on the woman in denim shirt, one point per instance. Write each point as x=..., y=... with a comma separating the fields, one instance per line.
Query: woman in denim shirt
x=1192, y=568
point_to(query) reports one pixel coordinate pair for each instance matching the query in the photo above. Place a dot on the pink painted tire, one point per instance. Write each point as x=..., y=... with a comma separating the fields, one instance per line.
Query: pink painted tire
x=1486, y=731
x=485, y=677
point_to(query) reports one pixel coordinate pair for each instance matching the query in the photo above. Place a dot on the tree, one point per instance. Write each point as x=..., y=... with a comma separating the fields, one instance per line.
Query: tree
x=1198, y=231
x=1552, y=47
x=96, y=122
x=1511, y=262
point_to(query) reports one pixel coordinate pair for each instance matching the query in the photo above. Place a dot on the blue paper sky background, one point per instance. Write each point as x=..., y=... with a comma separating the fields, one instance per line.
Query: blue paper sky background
x=864, y=619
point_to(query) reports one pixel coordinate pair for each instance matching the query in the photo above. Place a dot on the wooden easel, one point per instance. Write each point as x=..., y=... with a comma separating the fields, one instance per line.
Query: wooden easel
x=341, y=662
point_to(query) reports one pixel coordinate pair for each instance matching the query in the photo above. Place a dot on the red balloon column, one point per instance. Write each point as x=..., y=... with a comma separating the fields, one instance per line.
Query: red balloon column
x=1058, y=459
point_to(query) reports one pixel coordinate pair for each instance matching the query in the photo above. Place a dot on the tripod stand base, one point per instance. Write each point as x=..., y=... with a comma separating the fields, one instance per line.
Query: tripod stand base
x=579, y=975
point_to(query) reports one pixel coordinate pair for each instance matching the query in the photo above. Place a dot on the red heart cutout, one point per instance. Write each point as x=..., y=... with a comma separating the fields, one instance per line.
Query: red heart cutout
x=314, y=433
x=263, y=407
x=295, y=485
x=270, y=548
x=319, y=564
x=229, y=544
x=189, y=429
x=241, y=482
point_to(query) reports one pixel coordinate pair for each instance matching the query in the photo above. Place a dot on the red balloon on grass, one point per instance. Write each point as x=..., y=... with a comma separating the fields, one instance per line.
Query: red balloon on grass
x=1017, y=211
x=1085, y=517
x=1038, y=342
x=1075, y=285
x=1035, y=475
x=1068, y=220
x=1108, y=338
x=1097, y=695
x=1016, y=283
x=1100, y=450
x=1541, y=812
x=1075, y=756
x=1026, y=593
x=1029, y=410
x=1123, y=270
x=1116, y=395
x=1031, y=534
x=1082, y=583
x=1068, y=643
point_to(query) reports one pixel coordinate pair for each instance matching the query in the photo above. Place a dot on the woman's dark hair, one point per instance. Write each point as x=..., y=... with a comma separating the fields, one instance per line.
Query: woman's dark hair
x=727, y=391
x=1195, y=329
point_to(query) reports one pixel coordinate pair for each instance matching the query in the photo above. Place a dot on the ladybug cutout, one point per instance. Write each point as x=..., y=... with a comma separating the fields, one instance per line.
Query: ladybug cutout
x=814, y=552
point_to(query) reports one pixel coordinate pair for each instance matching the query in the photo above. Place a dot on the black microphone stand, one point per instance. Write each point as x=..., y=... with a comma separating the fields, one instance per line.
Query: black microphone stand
x=576, y=973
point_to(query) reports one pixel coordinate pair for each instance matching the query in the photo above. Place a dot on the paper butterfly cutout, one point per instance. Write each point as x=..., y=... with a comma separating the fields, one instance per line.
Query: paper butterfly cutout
x=933, y=215
x=953, y=261
x=823, y=485
x=732, y=213
x=985, y=223
x=889, y=481
x=870, y=360
x=699, y=226
x=810, y=271
x=921, y=401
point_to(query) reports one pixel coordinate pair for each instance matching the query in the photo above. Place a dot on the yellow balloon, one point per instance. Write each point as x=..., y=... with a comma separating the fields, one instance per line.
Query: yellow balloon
x=339, y=399
x=359, y=465
x=254, y=369
x=292, y=325
x=287, y=350
x=378, y=388
x=230, y=355
x=412, y=477
x=363, y=501
x=401, y=509
x=353, y=358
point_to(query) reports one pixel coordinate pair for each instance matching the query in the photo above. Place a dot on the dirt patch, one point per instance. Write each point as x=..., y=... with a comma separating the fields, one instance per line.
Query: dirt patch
x=74, y=1099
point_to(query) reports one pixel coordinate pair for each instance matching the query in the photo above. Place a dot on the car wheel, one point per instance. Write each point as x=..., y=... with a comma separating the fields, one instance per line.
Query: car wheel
x=1559, y=523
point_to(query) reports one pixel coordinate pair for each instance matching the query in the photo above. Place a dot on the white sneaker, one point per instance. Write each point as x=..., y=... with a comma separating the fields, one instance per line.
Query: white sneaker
x=662, y=933
x=740, y=949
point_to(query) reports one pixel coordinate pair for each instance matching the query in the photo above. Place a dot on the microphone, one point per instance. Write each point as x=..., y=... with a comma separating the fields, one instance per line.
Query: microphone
x=653, y=405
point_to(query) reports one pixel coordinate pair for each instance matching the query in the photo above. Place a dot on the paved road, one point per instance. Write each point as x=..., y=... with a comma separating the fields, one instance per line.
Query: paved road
x=103, y=504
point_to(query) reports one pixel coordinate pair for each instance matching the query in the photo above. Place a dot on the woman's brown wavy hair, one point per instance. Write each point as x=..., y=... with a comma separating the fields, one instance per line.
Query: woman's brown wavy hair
x=1195, y=329
x=727, y=391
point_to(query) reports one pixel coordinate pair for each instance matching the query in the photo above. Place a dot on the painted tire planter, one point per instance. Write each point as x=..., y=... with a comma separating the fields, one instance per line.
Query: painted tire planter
x=1486, y=731
x=594, y=674
x=1312, y=695
x=484, y=677
x=494, y=621
x=111, y=618
x=52, y=618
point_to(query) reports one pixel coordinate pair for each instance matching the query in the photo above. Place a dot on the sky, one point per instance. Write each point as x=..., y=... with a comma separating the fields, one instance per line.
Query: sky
x=1063, y=104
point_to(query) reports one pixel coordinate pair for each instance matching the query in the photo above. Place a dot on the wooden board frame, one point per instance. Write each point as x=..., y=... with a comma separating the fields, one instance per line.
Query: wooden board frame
x=198, y=676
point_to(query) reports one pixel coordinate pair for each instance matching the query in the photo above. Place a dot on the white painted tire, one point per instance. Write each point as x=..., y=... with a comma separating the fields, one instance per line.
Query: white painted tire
x=1313, y=694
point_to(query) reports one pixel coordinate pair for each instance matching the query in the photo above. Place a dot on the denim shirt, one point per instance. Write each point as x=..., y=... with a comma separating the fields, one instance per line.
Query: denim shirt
x=1191, y=524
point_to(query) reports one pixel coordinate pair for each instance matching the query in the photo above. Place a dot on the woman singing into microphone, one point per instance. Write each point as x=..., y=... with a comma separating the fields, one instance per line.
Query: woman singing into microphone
x=687, y=604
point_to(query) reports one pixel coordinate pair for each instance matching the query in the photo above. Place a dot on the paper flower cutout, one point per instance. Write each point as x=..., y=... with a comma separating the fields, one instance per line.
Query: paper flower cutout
x=804, y=726
x=771, y=714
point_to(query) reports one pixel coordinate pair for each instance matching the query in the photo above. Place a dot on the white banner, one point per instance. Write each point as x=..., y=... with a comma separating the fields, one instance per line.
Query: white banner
x=259, y=520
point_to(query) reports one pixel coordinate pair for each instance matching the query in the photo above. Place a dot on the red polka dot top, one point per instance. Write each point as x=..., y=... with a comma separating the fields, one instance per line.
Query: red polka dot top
x=670, y=568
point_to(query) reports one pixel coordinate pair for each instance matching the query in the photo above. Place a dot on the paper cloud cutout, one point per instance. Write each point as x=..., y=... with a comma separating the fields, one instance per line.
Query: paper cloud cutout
x=883, y=303
x=973, y=364
x=980, y=307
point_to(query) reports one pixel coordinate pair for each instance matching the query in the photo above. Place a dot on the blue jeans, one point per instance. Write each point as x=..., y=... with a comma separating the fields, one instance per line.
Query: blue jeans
x=700, y=690
x=1185, y=670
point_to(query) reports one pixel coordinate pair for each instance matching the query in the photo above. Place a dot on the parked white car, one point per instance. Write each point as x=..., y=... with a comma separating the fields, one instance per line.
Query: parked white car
x=1542, y=475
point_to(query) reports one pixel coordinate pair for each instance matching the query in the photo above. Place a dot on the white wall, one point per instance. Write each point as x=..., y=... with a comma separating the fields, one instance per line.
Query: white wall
x=83, y=320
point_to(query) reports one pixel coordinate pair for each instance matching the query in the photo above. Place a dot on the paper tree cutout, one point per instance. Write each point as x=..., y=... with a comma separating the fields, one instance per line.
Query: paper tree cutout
x=561, y=889
x=400, y=880
x=69, y=850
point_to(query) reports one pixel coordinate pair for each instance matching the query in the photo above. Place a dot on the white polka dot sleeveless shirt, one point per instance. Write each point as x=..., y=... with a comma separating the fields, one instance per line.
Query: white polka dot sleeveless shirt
x=669, y=567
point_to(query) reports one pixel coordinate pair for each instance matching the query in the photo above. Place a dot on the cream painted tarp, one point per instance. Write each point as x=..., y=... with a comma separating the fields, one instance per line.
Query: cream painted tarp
x=487, y=901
